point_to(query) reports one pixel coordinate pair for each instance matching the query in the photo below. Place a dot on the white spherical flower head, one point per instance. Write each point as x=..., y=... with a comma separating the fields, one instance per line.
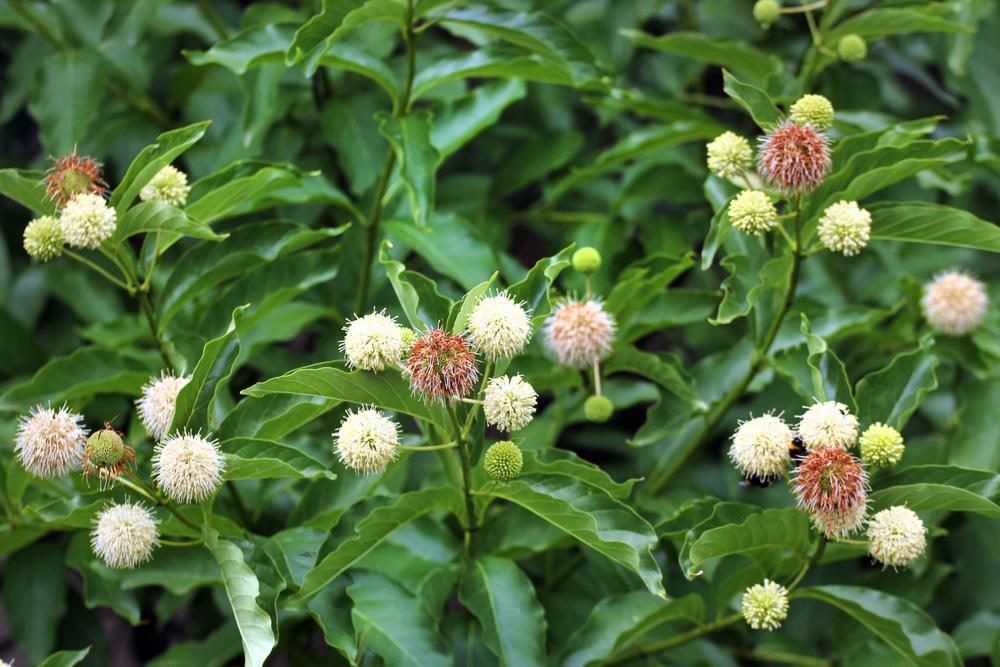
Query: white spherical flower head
x=373, y=342
x=579, y=333
x=157, y=404
x=169, y=185
x=836, y=523
x=896, y=536
x=828, y=424
x=499, y=327
x=765, y=605
x=753, y=212
x=729, y=155
x=760, y=447
x=845, y=228
x=367, y=441
x=124, y=536
x=509, y=404
x=87, y=221
x=955, y=303
x=188, y=467
x=49, y=443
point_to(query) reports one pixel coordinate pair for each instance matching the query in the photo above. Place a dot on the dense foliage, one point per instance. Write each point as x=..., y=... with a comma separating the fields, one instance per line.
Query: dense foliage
x=609, y=381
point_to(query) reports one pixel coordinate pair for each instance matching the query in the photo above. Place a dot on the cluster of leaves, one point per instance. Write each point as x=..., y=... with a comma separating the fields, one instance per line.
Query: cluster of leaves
x=412, y=155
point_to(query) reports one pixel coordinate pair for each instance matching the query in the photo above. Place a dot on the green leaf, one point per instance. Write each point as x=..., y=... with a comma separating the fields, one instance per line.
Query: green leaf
x=410, y=138
x=753, y=99
x=816, y=372
x=66, y=99
x=458, y=317
x=892, y=394
x=31, y=576
x=216, y=650
x=785, y=529
x=533, y=289
x=564, y=462
x=255, y=458
x=898, y=622
x=985, y=483
x=976, y=441
x=488, y=62
x=156, y=216
x=243, y=589
x=425, y=308
x=450, y=245
x=257, y=45
x=65, y=658
x=501, y=596
x=333, y=23
x=355, y=58
x=726, y=53
x=330, y=612
x=883, y=21
x=274, y=416
x=101, y=587
x=926, y=497
x=237, y=188
x=919, y=222
x=664, y=369
x=723, y=514
x=167, y=147
x=595, y=519
x=26, y=188
x=179, y=570
x=457, y=123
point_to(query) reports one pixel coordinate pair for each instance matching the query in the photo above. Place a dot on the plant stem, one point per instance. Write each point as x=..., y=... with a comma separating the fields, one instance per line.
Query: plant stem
x=819, y=4
x=147, y=308
x=138, y=487
x=429, y=448
x=91, y=265
x=666, y=644
x=463, y=450
x=813, y=30
x=784, y=658
x=212, y=16
x=597, y=378
x=816, y=555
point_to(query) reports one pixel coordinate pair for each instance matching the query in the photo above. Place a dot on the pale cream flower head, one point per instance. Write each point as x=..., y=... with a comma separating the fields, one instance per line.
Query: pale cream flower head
x=188, y=467
x=753, y=212
x=373, y=342
x=124, y=536
x=954, y=303
x=49, y=443
x=845, y=228
x=765, y=605
x=828, y=424
x=158, y=402
x=169, y=185
x=87, y=221
x=729, y=155
x=367, y=440
x=896, y=536
x=509, y=403
x=579, y=333
x=760, y=447
x=840, y=523
x=499, y=327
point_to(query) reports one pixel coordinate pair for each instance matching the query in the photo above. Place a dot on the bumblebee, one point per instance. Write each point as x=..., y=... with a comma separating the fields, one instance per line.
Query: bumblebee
x=796, y=450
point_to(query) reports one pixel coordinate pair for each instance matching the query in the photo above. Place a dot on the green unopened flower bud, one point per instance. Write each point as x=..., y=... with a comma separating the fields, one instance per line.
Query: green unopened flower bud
x=813, y=110
x=587, y=260
x=765, y=605
x=104, y=448
x=753, y=212
x=503, y=461
x=766, y=12
x=43, y=238
x=852, y=48
x=881, y=445
x=598, y=409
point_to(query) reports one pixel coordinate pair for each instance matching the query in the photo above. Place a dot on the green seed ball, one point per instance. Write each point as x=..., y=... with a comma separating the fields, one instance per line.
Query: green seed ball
x=598, y=409
x=586, y=260
x=105, y=448
x=503, y=461
x=766, y=12
x=852, y=48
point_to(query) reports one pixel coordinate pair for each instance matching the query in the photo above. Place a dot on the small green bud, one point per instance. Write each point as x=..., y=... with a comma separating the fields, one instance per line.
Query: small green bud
x=881, y=445
x=43, y=238
x=503, y=461
x=766, y=12
x=813, y=110
x=598, y=409
x=852, y=48
x=105, y=448
x=586, y=260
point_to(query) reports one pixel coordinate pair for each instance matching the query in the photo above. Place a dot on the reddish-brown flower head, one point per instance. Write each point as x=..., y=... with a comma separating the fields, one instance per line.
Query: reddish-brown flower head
x=441, y=366
x=794, y=157
x=71, y=175
x=829, y=479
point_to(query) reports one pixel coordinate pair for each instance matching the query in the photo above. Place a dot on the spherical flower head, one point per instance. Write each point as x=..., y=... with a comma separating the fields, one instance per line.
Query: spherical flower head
x=503, y=461
x=765, y=605
x=753, y=212
x=499, y=327
x=441, y=366
x=766, y=12
x=579, y=333
x=598, y=409
x=43, y=238
x=124, y=536
x=837, y=524
x=729, y=155
x=373, y=342
x=845, y=227
x=830, y=479
x=852, y=48
x=794, y=157
x=71, y=175
x=760, y=447
x=509, y=403
x=188, y=467
x=106, y=455
x=828, y=424
x=587, y=260
x=813, y=110
x=367, y=441
x=87, y=221
x=881, y=445
x=49, y=442
x=954, y=303
x=158, y=402
x=896, y=536
x=169, y=185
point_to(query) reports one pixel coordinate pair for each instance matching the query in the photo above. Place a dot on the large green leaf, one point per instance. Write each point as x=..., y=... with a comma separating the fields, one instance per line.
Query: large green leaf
x=753, y=99
x=920, y=222
x=501, y=596
x=66, y=99
x=215, y=650
x=248, y=48
x=901, y=624
x=417, y=294
x=354, y=57
x=410, y=138
x=488, y=62
x=35, y=574
x=156, y=216
x=564, y=462
x=26, y=188
x=457, y=123
x=926, y=497
x=274, y=416
x=892, y=394
x=100, y=583
x=534, y=288
x=450, y=245
x=664, y=369
x=772, y=529
x=729, y=54
x=336, y=19
x=256, y=458
x=815, y=371
x=65, y=658
x=238, y=188
x=882, y=21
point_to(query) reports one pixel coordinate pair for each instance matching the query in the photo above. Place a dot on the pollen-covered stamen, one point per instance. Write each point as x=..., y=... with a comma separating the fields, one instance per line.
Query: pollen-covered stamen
x=441, y=366
x=72, y=175
x=188, y=467
x=49, y=442
x=954, y=303
x=124, y=536
x=830, y=479
x=794, y=157
x=158, y=403
x=579, y=333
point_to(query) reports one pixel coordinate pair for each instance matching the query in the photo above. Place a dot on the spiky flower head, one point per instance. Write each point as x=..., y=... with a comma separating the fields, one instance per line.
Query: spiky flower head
x=598, y=409
x=765, y=605
x=169, y=185
x=813, y=110
x=760, y=447
x=794, y=157
x=124, y=535
x=158, y=402
x=367, y=440
x=188, y=467
x=840, y=523
x=852, y=48
x=49, y=442
x=4, y=663
x=753, y=212
x=503, y=461
x=954, y=303
x=43, y=238
x=881, y=445
x=766, y=12
x=87, y=221
x=729, y=155
x=845, y=227
x=499, y=327
x=579, y=333
x=509, y=403
x=373, y=342
x=71, y=175
x=830, y=479
x=106, y=455
x=828, y=424
x=587, y=260
x=441, y=366
x=896, y=536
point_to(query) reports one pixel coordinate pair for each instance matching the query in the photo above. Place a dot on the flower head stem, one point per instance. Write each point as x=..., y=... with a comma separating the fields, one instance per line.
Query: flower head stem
x=463, y=450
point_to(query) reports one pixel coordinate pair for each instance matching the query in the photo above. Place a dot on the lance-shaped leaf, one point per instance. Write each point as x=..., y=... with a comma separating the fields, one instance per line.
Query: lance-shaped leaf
x=753, y=99
x=167, y=147
x=920, y=222
x=26, y=188
x=564, y=462
x=424, y=306
x=730, y=54
x=337, y=18
x=410, y=138
x=892, y=394
x=157, y=216
x=939, y=487
x=785, y=529
x=255, y=458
